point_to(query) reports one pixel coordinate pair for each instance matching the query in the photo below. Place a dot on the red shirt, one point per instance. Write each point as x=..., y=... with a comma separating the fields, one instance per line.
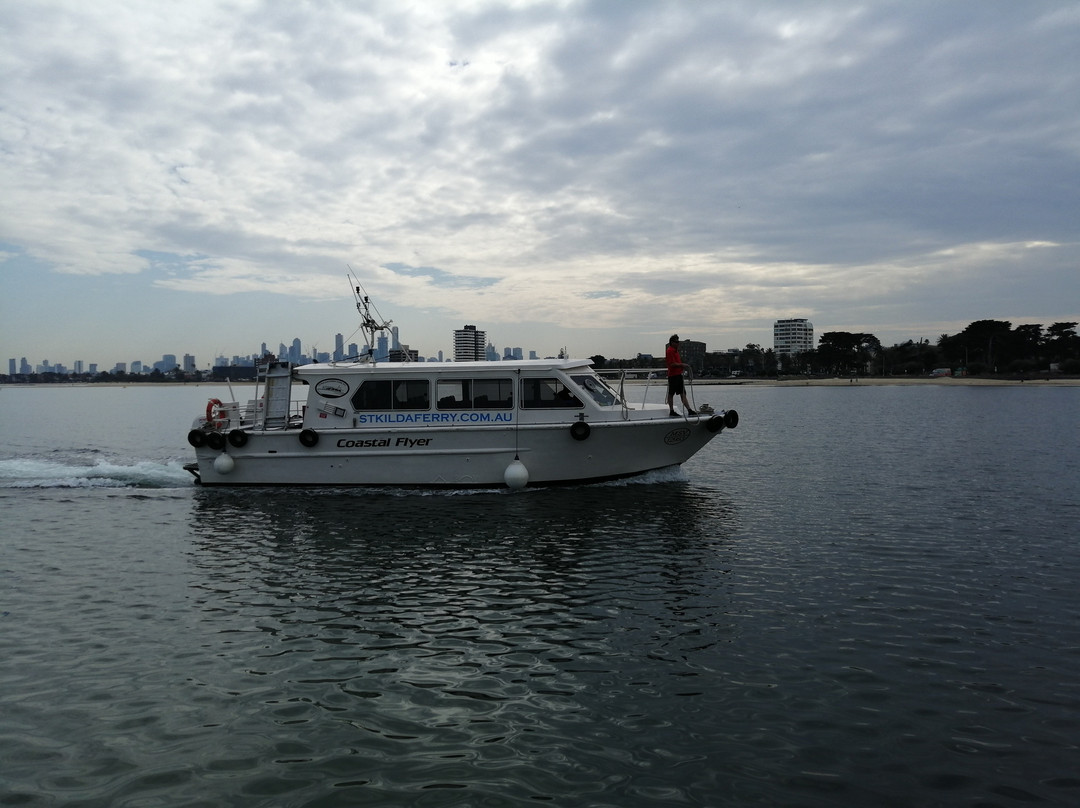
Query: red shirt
x=674, y=361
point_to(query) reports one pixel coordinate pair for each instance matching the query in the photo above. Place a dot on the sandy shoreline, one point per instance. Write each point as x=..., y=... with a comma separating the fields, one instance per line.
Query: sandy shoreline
x=973, y=381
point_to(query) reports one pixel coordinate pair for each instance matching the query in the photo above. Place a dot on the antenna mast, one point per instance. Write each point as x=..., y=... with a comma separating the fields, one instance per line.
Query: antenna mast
x=370, y=324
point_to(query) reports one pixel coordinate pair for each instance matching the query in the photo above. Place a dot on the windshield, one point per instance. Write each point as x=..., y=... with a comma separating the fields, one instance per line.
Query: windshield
x=598, y=389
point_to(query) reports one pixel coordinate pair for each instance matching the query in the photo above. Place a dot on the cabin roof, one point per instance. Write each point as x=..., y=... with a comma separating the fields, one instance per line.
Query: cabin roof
x=440, y=368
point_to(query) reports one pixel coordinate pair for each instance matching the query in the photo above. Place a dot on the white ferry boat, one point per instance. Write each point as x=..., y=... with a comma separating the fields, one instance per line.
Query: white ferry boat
x=440, y=424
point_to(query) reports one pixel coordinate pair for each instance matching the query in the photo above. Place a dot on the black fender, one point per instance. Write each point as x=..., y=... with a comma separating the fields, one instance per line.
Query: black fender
x=731, y=419
x=309, y=437
x=196, y=438
x=579, y=430
x=215, y=440
x=238, y=438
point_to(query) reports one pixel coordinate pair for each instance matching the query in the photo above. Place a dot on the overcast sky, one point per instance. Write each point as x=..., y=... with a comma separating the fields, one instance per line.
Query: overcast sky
x=197, y=177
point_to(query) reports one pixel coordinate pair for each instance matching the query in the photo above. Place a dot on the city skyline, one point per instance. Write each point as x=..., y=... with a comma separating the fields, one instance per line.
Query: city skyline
x=789, y=336
x=470, y=344
x=292, y=351
x=984, y=343
x=354, y=347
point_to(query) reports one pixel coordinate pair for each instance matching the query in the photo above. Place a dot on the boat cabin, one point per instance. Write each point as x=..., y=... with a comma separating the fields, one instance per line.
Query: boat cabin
x=356, y=395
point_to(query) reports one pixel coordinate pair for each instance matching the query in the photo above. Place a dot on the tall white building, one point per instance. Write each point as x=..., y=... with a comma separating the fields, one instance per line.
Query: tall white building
x=793, y=336
x=469, y=344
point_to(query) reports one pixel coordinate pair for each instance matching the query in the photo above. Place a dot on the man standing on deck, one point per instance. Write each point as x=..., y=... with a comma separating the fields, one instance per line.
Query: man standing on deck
x=675, y=368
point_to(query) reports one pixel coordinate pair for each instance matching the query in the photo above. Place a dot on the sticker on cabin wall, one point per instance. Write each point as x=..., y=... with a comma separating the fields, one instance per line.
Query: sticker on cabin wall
x=332, y=388
x=676, y=436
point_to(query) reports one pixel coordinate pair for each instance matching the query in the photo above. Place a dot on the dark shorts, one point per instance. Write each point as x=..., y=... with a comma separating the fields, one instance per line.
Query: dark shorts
x=675, y=385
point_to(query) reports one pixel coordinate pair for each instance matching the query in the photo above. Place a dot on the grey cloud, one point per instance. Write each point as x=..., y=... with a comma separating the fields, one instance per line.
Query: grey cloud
x=440, y=278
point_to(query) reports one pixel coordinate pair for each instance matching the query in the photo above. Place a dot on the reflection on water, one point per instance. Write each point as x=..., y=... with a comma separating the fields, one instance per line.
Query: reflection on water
x=441, y=636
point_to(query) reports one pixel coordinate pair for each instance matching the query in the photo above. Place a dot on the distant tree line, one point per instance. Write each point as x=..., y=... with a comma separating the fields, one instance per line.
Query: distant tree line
x=984, y=347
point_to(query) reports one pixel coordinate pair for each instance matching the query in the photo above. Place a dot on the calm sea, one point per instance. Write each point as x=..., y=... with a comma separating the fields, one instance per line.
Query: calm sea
x=863, y=596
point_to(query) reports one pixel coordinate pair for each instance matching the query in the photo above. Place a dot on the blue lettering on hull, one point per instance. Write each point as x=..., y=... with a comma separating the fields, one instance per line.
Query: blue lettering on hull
x=436, y=418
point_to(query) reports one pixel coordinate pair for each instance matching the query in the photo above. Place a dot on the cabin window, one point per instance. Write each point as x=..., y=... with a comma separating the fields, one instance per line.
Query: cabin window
x=412, y=394
x=374, y=394
x=393, y=394
x=547, y=394
x=475, y=394
x=493, y=394
x=454, y=394
x=598, y=389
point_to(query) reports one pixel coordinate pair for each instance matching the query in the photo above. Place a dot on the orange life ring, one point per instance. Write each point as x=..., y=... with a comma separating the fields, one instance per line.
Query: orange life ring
x=214, y=409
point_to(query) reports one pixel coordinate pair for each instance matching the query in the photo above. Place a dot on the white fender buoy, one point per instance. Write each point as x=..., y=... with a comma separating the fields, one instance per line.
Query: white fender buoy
x=223, y=463
x=516, y=475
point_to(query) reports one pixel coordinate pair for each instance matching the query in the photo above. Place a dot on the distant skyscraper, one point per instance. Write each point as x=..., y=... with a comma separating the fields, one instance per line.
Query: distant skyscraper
x=793, y=336
x=339, y=347
x=469, y=344
x=395, y=343
x=382, y=352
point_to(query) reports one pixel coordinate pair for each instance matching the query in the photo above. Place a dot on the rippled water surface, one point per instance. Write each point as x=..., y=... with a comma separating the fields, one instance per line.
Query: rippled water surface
x=858, y=597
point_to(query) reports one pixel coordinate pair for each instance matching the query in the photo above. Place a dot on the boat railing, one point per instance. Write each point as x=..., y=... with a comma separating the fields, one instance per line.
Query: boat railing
x=621, y=375
x=651, y=375
x=252, y=414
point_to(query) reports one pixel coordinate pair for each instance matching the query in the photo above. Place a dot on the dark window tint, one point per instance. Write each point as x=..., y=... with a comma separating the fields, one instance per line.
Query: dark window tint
x=393, y=394
x=547, y=394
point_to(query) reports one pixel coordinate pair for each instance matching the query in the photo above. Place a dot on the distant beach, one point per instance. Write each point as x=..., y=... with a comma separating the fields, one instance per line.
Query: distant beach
x=814, y=381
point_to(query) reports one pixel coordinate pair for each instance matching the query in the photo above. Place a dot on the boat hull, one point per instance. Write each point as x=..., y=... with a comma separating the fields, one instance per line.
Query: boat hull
x=454, y=456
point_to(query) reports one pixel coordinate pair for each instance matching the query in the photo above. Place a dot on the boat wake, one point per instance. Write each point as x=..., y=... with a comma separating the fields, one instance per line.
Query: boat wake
x=97, y=472
x=671, y=474
x=35, y=472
